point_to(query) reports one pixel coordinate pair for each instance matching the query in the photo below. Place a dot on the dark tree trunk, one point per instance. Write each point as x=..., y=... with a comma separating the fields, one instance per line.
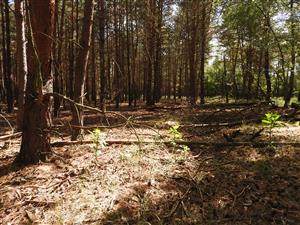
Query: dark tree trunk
x=8, y=84
x=117, y=69
x=93, y=70
x=291, y=81
x=192, y=48
x=57, y=83
x=103, y=81
x=21, y=58
x=202, y=51
x=225, y=87
x=158, y=49
x=150, y=45
x=71, y=55
x=267, y=74
x=128, y=57
x=35, y=139
x=81, y=65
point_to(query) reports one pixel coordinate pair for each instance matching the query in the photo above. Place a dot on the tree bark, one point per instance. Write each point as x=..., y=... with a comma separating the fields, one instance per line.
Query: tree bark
x=81, y=65
x=35, y=143
x=192, y=49
x=57, y=85
x=21, y=58
x=102, y=23
x=291, y=81
x=6, y=43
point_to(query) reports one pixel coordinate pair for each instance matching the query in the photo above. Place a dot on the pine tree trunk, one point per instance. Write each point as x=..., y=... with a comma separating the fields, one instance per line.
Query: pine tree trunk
x=35, y=144
x=81, y=65
x=57, y=85
x=291, y=81
x=202, y=51
x=102, y=20
x=21, y=58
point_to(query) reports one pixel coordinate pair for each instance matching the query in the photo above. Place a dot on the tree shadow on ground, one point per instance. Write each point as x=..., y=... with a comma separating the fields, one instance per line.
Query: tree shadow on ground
x=230, y=186
x=9, y=166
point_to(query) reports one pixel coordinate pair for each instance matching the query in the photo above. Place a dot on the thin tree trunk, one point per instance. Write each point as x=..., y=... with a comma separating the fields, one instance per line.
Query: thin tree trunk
x=71, y=54
x=192, y=48
x=8, y=82
x=57, y=84
x=93, y=69
x=81, y=65
x=267, y=75
x=103, y=81
x=21, y=58
x=202, y=51
x=158, y=53
x=225, y=80
x=290, y=88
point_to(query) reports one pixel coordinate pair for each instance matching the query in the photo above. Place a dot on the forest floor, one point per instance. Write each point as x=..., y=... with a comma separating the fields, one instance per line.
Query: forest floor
x=151, y=182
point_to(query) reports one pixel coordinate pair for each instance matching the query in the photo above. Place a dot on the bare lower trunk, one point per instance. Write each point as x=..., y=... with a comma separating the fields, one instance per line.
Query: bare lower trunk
x=21, y=58
x=81, y=65
x=35, y=139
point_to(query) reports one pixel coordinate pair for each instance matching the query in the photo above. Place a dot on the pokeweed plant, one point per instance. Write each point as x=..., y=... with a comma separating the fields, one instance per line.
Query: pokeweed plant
x=176, y=135
x=98, y=140
x=271, y=121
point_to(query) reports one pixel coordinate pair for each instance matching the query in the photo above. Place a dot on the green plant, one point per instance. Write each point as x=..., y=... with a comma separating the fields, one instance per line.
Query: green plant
x=176, y=135
x=271, y=121
x=98, y=140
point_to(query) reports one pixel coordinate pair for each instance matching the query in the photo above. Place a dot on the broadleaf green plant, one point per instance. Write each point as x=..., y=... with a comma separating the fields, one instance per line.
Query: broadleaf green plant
x=176, y=135
x=271, y=121
x=98, y=140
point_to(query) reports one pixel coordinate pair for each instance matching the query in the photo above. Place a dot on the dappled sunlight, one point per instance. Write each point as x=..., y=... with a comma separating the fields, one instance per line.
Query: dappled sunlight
x=160, y=182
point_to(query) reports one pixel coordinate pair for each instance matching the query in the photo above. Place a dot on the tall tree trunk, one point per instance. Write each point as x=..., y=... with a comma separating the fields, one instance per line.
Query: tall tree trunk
x=93, y=69
x=128, y=57
x=203, y=50
x=21, y=58
x=150, y=45
x=102, y=19
x=117, y=70
x=57, y=83
x=267, y=55
x=158, y=52
x=71, y=54
x=259, y=66
x=267, y=74
x=225, y=87
x=233, y=72
x=35, y=139
x=81, y=65
x=192, y=49
x=3, y=61
x=290, y=86
x=8, y=81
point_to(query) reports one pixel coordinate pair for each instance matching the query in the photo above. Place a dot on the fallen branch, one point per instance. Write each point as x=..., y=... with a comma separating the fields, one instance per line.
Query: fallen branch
x=7, y=121
x=221, y=124
x=54, y=94
x=188, y=143
x=14, y=135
